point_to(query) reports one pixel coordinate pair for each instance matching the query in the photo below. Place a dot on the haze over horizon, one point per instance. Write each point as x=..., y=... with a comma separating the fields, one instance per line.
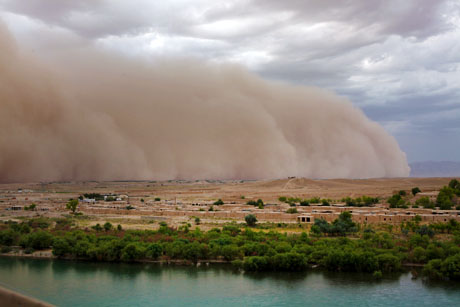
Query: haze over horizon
x=255, y=60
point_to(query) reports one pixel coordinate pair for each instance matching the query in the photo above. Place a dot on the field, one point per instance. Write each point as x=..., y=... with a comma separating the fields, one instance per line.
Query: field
x=143, y=204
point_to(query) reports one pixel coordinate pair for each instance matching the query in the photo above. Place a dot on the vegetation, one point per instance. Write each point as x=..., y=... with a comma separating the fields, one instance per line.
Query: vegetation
x=337, y=246
x=31, y=207
x=397, y=201
x=259, y=203
x=218, y=202
x=304, y=202
x=72, y=205
x=363, y=201
x=250, y=219
x=415, y=191
x=425, y=202
x=340, y=227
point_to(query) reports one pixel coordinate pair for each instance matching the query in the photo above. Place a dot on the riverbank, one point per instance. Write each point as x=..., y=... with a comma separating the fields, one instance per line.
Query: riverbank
x=339, y=246
x=11, y=298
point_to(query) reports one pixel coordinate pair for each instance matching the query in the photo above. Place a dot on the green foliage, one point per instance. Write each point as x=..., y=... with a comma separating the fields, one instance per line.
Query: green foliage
x=339, y=227
x=373, y=252
x=218, y=202
x=72, y=205
x=304, y=203
x=108, y=226
x=132, y=251
x=425, y=202
x=415, y=191
x=250, y=219
x=363, y=201
x=197, y=221
x=31, y=207
x=445, y=197
x=454, y=184
x=36, y=240
x=396, y=201
x=259, y=203
x=61, y=247
x=157, y=199
x=292, y=210
x=97, y=227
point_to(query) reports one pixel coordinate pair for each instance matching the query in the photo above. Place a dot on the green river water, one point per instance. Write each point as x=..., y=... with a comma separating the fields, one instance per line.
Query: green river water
x=66, y=283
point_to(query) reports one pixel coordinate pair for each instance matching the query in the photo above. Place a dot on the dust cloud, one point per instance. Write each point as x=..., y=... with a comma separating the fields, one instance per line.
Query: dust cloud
x=93, y=115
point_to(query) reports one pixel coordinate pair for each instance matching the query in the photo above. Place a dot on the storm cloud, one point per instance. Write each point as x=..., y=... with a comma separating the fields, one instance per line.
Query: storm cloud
x=91, y=114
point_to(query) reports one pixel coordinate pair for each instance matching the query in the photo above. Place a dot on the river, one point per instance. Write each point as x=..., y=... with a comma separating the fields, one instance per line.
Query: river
x=66, y=283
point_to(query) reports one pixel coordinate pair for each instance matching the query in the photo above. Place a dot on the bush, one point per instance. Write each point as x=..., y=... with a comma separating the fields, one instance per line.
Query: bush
x=37, y=240
x=108, y=226
x=425, y=202
x=250, y=219
x=415, y=191
x=61, y=247
x=132, y=252
x=218, y=202
x=292, y=210
x=154, y=250
x=377, y=274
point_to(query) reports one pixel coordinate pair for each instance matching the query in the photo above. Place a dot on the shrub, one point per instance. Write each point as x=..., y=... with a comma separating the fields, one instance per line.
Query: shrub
x=415, y=191
x=218, y=202
x=292, y=210
x=131, y=252
x=108, y=226
x=250, y=219
x=61, y=247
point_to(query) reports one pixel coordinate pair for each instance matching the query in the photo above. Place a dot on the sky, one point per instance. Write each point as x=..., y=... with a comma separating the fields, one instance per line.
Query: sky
x=399, y=61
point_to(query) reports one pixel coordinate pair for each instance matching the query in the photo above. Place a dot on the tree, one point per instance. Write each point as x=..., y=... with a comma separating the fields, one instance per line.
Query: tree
x=425, y=202
x=444, y=198
x=415, y=191
x=107, y=226
x=292, y=210
x=454, y=184
x=218, y=202
x=197, y=221
x=72, y=205
x=61, y=247
x=250, y=219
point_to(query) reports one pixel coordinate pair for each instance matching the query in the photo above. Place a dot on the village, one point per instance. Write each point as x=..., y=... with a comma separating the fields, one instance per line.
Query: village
x=219, y=202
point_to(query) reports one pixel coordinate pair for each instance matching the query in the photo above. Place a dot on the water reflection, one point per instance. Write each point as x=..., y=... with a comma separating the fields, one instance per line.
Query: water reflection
x=69, y=283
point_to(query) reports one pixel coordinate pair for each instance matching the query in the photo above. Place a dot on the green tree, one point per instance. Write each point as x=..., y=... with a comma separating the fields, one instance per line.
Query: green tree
x=415, y=191
x=61, y=247
x=72, y=205
x=218, y=202
x=250, y=219
x=108, y=226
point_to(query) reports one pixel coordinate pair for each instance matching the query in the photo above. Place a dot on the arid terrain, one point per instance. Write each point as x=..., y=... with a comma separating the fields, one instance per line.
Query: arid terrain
x=143, y=204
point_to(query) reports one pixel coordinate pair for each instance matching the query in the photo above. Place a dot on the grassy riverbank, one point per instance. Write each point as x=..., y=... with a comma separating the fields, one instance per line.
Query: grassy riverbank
x=339, y=246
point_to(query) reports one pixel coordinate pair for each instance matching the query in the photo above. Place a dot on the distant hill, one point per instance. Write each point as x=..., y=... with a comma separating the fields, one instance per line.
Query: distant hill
x=435, y=169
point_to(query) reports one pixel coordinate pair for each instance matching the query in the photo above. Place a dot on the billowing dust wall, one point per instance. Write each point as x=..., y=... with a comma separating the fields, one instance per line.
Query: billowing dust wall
x=90, y=114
